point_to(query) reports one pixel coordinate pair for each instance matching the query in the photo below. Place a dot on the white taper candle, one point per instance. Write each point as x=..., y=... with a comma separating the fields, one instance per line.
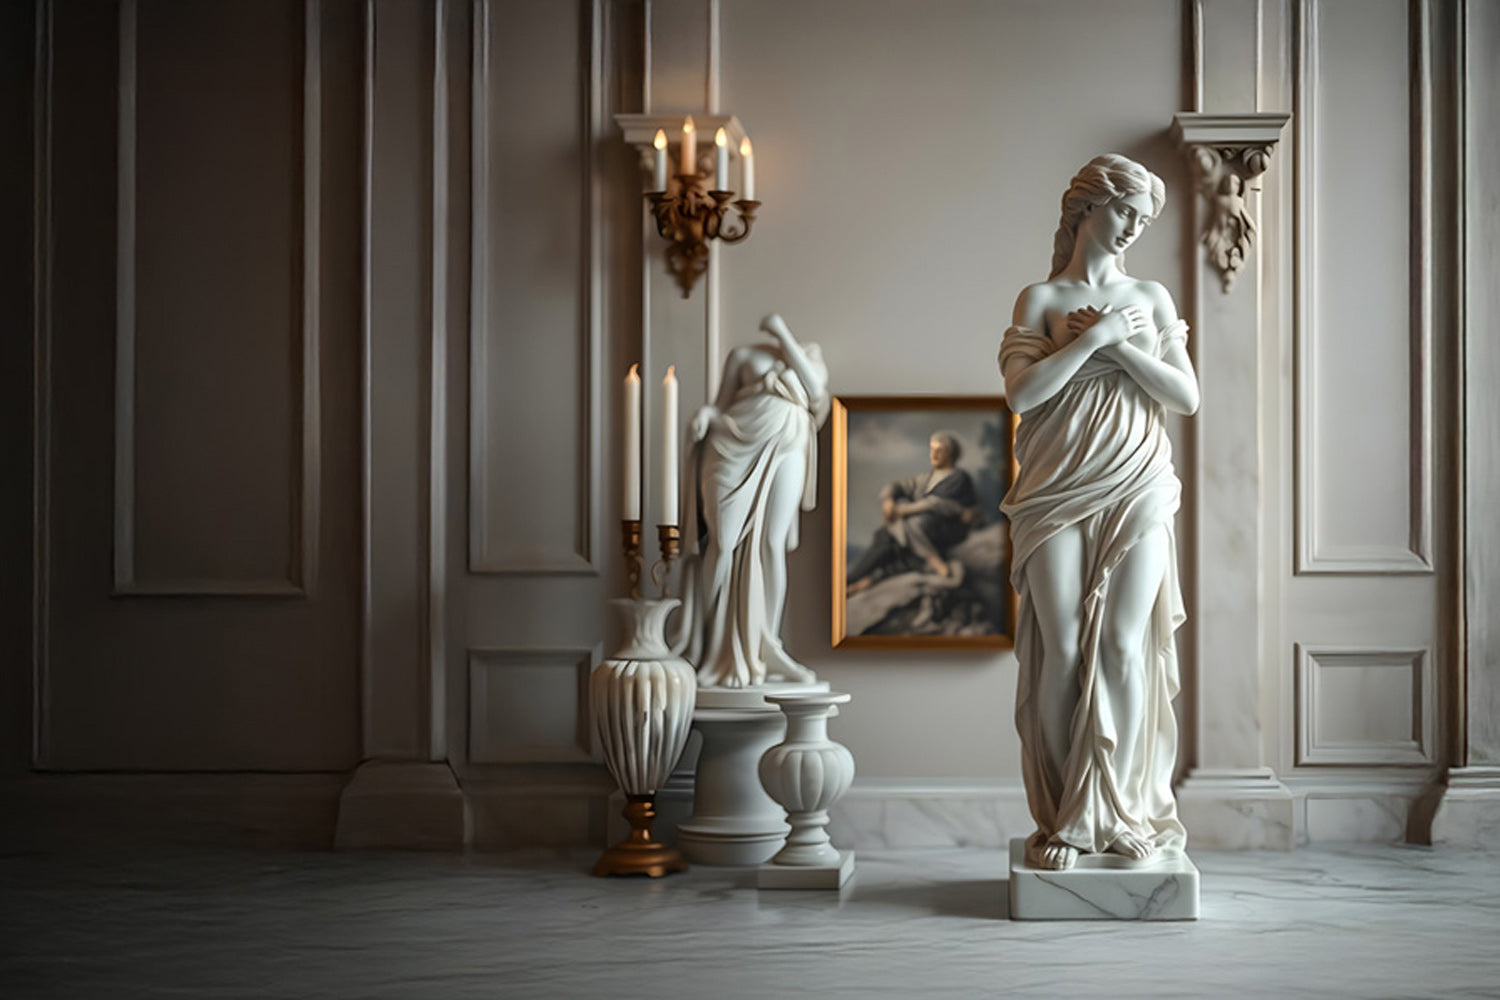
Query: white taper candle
x=689, y=147
x=669, y=447
x=747, y=170
x=659, y=164
x=630, y=465
x=721, y=161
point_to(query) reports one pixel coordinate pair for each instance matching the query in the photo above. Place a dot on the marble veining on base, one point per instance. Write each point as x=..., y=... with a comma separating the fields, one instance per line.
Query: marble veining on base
x=1103, y=887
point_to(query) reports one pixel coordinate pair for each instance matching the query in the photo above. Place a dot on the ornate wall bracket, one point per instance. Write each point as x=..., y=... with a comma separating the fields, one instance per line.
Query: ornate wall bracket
x=1228, y=152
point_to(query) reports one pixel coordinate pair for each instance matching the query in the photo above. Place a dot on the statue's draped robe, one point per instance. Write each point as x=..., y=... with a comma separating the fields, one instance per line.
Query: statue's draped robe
x=767, y=436
x=1096, y=455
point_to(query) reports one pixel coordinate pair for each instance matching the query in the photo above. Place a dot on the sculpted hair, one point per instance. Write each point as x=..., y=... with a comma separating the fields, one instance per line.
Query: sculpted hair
x=1101, y=181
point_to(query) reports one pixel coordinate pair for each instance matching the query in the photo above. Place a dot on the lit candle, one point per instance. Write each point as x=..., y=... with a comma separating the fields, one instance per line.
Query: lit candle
x=721, y=160
x=747, y=169
x=669, y=447
x=630, y=467
x=659, y=165
x=689, y=146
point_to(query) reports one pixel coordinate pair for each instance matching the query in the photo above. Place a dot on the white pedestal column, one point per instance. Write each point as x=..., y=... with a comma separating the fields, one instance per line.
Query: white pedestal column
x=734, y=821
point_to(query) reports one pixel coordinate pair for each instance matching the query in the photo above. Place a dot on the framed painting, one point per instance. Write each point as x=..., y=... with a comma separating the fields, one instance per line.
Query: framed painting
x=921, y=552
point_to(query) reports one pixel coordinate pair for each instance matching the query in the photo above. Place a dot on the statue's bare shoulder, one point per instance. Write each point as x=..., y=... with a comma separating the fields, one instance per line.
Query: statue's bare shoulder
x=1032, y=305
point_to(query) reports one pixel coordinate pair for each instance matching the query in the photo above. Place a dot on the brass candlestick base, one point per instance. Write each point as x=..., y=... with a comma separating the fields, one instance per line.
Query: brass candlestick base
x=639, y=854
x=669, y=540
x=630, y=538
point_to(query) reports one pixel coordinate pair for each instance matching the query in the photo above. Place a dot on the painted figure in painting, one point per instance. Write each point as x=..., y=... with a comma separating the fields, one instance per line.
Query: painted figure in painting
x=751, y=469
x=1093, y=362
x=925, y=515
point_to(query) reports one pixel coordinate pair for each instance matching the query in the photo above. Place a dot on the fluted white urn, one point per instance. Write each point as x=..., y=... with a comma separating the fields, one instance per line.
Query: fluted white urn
x=642, y=701
x=807, y=773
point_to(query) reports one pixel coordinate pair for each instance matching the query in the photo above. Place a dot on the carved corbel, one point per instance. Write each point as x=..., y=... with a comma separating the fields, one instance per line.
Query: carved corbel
x=1228, y=153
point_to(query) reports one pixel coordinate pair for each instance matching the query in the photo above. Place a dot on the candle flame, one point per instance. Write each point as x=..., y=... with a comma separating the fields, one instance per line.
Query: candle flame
x=688, y=126
x=745, y=149
x=720, y=139
x=671, y=374
x=660, y=142
x=635, y=373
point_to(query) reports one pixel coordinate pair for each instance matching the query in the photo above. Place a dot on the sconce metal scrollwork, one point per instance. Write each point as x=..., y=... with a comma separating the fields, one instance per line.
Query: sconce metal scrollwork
x=693, y=215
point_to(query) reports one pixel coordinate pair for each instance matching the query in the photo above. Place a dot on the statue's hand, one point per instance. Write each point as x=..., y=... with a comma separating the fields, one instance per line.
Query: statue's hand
x=888, y=509
x=1080, y=320
x=1111, y=328
x=701, y=420
x=776, y=327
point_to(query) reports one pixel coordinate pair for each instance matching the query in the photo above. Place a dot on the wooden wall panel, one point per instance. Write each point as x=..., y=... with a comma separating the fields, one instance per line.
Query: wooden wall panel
x=1364, y=483
x=535, y=349
x=217, y=276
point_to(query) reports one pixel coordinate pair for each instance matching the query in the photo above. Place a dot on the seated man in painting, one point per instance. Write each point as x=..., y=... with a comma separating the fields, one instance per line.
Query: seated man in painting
x=925, y=516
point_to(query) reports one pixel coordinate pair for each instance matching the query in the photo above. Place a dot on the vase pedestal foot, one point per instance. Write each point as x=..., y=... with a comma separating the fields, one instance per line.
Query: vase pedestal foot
x=639, y=853
x=830, y=876
x=734, y=821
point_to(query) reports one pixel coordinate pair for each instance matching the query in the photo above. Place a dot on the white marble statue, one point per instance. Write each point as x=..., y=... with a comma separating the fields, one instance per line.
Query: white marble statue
x=751, y=468
x=1092, y=363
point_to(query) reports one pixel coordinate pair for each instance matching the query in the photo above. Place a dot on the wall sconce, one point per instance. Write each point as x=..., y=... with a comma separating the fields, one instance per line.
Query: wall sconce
x=694, y=204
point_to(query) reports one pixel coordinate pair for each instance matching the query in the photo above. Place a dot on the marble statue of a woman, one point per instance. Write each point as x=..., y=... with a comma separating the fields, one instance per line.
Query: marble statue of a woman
x=1093, y=362
x=751, y=468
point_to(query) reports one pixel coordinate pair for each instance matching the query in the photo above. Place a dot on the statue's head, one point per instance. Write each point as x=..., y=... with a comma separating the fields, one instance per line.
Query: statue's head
x=1107, y=183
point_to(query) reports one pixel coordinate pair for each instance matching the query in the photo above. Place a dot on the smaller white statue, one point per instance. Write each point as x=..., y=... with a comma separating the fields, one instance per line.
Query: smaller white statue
x=751, y=468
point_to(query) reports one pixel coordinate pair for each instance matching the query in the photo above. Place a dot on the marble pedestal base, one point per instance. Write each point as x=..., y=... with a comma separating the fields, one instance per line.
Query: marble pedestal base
x=734, y=821
x=1098, y=887
x=774, y=876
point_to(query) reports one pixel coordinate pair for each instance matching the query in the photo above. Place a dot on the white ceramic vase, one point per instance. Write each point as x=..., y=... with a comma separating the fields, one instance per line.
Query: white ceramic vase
x=807, y=773
x=642, y=702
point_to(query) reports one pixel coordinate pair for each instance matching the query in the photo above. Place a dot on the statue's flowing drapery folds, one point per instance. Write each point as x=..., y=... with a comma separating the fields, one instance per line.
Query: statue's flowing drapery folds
x=1096, y=456
x=765, y=442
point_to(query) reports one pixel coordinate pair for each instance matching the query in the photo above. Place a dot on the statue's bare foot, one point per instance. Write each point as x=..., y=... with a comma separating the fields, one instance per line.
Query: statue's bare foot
x=1128, y=845
x=1053, y=856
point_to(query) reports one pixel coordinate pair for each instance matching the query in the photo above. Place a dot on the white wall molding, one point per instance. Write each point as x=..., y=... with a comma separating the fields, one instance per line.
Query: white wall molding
x=1318, y=745
x=1314, y=552
x=305, y=506
x=504, y=728
x=487, y=556
x=41, y=385
x=1225, y=147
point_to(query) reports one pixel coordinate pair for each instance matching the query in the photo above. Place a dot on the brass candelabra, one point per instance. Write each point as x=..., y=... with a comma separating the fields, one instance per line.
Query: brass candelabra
x=630, y=538
x=669, y=540
x=690, y=216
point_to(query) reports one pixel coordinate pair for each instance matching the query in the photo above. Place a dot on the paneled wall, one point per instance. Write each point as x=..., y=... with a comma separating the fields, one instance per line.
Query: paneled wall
x=333, y=300
x=196, y=415
x=1365, y=422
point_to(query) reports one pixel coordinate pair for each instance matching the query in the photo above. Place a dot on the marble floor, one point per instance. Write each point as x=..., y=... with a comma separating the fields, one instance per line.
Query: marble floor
x=1361, y=921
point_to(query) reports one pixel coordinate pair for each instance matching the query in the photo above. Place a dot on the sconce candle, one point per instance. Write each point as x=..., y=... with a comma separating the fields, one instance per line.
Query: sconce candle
x=630, y=497
x=689, y=147
x=721, y=160
x=669, y=447
x=747, y=170
x=659, y=164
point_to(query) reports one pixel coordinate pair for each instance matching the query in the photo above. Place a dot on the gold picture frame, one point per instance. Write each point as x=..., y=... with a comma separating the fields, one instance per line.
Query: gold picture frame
x=905, y=601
